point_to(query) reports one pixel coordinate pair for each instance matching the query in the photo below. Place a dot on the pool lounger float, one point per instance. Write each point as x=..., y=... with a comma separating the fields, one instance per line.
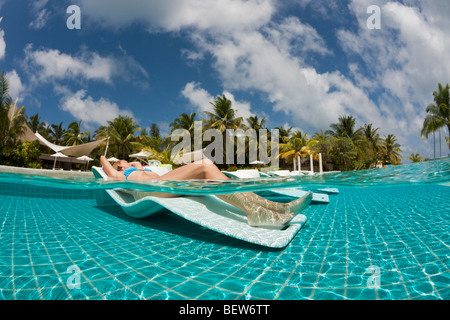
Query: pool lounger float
x=207, y=211
x=321, y=196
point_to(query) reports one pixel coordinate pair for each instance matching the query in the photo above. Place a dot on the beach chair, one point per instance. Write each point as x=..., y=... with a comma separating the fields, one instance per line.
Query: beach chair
x=207, y=211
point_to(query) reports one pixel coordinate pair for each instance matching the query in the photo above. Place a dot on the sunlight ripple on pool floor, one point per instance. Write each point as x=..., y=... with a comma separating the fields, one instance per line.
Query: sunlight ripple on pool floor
x=381, y=242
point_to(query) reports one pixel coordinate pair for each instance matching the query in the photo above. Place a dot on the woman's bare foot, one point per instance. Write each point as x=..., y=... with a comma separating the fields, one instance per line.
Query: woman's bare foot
x=248, y=199
x=263, y=217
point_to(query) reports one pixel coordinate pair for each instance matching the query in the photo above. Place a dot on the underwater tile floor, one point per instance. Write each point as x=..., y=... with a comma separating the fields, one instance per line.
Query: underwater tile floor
x=367, y=243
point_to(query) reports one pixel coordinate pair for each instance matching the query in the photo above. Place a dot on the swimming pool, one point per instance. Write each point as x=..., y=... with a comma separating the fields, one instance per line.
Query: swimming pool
x=384, y=236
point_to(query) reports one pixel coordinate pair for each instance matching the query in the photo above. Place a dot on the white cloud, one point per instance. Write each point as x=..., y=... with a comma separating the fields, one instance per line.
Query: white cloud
x=251, y=52
x=242, y=107
x=16, y=87
x=41, y=19
x=197, y=96
x=42, y=14
x=2, y=39
x=39, y=4
x=405, y=60
x=91, y=111
x=2, y=44
x=220, y=15
x=296, y=38
x=407, y=55
x=251, y=61
x=51, y=64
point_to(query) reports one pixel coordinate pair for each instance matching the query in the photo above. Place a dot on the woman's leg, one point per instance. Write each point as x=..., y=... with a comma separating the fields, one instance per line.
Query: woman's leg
x=203, y=169
x=260, y=211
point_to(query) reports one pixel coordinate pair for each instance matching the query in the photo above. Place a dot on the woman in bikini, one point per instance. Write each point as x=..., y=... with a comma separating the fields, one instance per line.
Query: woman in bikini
x=260, y=211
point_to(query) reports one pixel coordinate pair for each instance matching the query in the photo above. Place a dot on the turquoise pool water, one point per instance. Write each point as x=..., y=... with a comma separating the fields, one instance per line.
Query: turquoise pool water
x=384, y=236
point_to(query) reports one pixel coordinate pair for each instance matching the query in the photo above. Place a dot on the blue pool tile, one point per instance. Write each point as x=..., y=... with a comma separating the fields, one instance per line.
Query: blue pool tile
x=166, y=258
x=169, y=279
x=295, y=293
x=263, y=290
x=217, y=294
x=328, y=294
x=236, y=285
x=191, y=289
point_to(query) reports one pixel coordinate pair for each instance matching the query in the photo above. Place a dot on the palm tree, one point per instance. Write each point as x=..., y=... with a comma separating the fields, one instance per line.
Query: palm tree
x=17, y=120
x=163, y=156
x=154, y=131
x=321, y=143
x=296, y=146
x=11, y=124
x=345, y=128
x=35, y=124
x=73, y=136
x=183, y=122
x=391, y=149
x=438, y=113
x=321, y=136
x=284, y=133
x=255, y=123
x=415, y=157
x=343, y=153
x=121, y=131
x=5, y=102
x=57, y=133
x=222, y=118
x=374, y=141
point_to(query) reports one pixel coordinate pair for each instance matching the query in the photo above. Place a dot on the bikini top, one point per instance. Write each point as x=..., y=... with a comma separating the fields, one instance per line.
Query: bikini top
x=129, y=170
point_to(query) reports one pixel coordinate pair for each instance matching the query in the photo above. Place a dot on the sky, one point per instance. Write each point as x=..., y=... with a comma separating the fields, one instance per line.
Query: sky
x=297, y=63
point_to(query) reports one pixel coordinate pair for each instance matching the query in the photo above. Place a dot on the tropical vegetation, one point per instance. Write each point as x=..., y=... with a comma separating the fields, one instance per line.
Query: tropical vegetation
x=344, y=146
x=438, y=113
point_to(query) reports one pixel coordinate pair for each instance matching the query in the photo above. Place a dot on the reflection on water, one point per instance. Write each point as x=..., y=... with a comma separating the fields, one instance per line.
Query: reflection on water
x=437, y=171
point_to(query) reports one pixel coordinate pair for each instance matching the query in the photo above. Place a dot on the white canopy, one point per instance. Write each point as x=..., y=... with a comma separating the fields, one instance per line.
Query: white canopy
x=142, y=155
x=74, y=151
x=58, y=155
x=85, y=158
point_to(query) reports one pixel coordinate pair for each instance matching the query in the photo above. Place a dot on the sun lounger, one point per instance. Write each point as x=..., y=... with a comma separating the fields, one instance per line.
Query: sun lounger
x=280, y=173
x=207, y=211
x=321, y=197
x=245, y=174
x=297, y=193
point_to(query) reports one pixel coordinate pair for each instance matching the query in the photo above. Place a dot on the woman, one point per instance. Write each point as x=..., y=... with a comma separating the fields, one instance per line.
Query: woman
x=260, y=211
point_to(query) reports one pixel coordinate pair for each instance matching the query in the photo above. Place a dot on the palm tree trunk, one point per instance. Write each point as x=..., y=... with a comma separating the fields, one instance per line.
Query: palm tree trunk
x=448, y=128
x=434, y=144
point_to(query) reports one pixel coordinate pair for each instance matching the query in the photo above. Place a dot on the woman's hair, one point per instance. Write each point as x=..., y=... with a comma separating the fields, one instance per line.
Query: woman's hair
x=116, y=165
x=119, y=165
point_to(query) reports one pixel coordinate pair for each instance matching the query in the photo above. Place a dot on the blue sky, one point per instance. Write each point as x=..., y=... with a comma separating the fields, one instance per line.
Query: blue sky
x=298, y=63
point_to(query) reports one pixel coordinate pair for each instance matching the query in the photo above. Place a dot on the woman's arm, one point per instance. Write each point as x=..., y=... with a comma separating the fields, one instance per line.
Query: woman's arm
x=109, y=170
